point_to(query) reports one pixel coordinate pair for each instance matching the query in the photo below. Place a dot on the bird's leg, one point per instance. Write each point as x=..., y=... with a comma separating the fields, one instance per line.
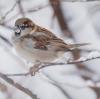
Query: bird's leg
x=35, y=68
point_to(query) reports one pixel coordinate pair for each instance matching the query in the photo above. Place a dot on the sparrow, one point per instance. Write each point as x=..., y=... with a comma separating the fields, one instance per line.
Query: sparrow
x=35, y=43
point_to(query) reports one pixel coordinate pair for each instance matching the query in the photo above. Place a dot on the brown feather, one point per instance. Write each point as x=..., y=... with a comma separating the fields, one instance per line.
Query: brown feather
x=46, y=40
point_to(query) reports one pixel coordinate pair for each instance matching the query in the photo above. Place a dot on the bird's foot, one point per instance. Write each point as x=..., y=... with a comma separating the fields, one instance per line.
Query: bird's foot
x=34, y=69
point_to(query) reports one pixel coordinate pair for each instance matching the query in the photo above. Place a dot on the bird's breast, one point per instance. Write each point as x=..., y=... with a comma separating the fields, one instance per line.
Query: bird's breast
x=31, y=54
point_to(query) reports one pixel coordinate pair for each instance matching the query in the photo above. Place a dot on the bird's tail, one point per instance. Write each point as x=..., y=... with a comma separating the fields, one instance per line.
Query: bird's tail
x=74, y=46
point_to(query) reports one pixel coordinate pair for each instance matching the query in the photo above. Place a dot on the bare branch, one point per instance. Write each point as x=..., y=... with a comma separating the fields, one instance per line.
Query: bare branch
x=18, y=86
x=60, y=17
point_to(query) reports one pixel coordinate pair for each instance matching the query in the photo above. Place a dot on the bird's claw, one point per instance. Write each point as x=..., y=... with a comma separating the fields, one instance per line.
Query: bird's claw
x=35, y=68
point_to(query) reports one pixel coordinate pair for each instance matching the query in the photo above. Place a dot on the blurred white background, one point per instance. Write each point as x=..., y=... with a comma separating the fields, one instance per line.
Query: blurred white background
x=80, y=81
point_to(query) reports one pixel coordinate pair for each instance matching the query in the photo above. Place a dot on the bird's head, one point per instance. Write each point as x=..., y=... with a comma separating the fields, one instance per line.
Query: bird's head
x=23, y=26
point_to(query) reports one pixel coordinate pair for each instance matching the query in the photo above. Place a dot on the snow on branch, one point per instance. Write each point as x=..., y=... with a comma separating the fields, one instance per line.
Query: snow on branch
x=18, y=2
x=90, y=56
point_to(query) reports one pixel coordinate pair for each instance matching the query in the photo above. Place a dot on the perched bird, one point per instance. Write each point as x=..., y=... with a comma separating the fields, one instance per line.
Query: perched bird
x=35, y=43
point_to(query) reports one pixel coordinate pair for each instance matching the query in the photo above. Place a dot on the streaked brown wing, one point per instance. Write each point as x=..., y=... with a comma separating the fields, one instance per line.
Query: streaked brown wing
x=45, y=31
x=53, y=42
x=46, y=40
x=58, y=45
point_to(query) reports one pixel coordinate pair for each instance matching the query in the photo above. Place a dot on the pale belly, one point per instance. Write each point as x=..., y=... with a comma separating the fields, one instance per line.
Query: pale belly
x=33, y=55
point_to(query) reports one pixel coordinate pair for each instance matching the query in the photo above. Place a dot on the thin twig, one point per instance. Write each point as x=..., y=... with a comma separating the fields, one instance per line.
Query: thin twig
x=56, y=84
x=5, y=40
x=69, y=62
x=13, y=7
x=21, y=8
x=37, y=8
x=47, y=64
x=31, y=10
x=20, y=74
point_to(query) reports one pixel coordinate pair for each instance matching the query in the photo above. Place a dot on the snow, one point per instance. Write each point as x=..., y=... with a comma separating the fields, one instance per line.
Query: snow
x=48, y=83
x=94, y=54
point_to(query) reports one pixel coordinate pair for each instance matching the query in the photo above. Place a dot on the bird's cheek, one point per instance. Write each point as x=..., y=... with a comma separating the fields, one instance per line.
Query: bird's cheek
x=24, y=32
x=14, y=39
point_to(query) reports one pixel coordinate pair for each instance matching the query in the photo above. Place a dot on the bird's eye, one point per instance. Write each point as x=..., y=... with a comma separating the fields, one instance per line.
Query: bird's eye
x=17, y=31
x=22, y=27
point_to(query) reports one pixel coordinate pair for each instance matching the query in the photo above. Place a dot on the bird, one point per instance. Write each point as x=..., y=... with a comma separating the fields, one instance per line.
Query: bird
x=35, y=43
